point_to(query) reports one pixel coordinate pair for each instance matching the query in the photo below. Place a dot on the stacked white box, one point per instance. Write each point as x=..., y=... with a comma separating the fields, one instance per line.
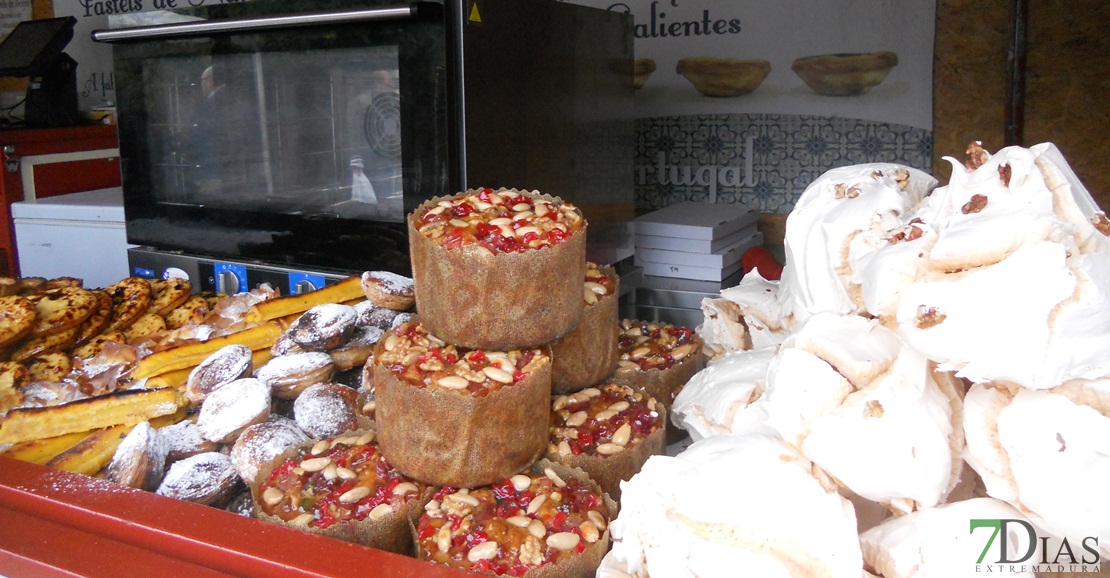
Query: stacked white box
x=700, y=241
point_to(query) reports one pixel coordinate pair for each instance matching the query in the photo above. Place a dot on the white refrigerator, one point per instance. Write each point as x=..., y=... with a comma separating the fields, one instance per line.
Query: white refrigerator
x=76, y=235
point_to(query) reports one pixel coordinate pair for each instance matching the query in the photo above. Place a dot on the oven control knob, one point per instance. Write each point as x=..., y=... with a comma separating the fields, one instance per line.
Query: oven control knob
x=175, y=273
x=304, y=286
x=228, y=283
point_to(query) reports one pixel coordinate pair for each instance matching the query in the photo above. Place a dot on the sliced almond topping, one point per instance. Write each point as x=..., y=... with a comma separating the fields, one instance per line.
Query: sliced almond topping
x=519, y=521
x=320, y=447
x=497, y=374
x=380, y=511
x=354, y=494
x=304, y=519
x=609, y=449
x=550, y=473
x=536, y=503
x=563, y=540
x=404, y=488
x=577, y=418
x=521, y=482
x=315, y=464
x=484, y=551
x=272, y=496
x=596, y=288
x=537, y=529
x=589, y=531
x=597, y=519
x=622, y=435
x=452, y=382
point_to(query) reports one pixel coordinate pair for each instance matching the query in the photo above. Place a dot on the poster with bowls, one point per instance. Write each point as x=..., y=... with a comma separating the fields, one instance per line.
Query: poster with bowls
x=749, y=102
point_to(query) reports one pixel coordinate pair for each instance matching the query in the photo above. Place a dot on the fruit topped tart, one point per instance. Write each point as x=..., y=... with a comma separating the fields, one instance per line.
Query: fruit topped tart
x=551, y=519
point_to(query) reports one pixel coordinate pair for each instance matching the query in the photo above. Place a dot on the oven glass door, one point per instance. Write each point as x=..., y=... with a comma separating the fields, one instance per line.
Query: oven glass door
x=302, y=145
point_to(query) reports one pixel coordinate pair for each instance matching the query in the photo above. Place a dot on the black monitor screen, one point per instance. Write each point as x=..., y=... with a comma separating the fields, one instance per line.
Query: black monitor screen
x=34, y=44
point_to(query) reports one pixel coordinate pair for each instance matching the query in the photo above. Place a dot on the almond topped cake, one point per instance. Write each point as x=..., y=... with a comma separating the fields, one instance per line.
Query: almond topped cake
x=449, y=415
x=657, y=357
x=342, y=487
x=588, y=355
x=608, y=431
x=551, y=520
x=498, y=269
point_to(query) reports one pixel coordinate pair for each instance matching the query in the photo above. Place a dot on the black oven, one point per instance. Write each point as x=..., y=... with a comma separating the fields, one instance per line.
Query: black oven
x=258, y=142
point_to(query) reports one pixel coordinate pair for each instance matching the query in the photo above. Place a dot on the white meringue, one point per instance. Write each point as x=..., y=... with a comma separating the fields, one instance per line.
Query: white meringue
x=838, y=221
x=936, y=543
x=783, y=521
x=866, y=409
x=719, y=399
x=1044, y=454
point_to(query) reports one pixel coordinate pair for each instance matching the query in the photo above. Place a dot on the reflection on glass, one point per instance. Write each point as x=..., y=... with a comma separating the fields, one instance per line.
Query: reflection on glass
x=315, y=133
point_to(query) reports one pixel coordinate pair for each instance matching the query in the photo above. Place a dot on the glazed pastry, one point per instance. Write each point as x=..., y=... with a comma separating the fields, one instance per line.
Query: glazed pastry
x=498, y=269
x=343, y=488
x=452, y=416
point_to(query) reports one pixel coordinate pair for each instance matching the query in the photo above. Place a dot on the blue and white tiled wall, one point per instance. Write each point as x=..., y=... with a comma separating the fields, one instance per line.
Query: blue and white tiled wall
x=763, y=160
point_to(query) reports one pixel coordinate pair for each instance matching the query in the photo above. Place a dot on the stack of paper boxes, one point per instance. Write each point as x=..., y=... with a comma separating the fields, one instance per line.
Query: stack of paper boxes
x=689, y=251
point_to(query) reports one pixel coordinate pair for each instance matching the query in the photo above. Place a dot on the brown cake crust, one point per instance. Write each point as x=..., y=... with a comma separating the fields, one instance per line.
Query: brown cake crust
x=589, y=354
x=450, y=438
x=391, y=533
x=475, y=299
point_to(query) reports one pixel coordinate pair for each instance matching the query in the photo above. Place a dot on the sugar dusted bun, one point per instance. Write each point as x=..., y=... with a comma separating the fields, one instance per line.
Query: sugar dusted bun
x=261, y=443
x=498, y=269
x=233, y=408
x=226, y=364
x=388, y=290
x=323, y=327
x=208, y=479
x=140, y=459
x=448, y=416
x=289, y=375
x=589, y=354
x=326, y=409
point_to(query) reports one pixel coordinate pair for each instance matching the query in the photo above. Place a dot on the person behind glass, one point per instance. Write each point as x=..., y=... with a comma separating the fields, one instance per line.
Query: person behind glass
x=362, y=191
x=218, y=143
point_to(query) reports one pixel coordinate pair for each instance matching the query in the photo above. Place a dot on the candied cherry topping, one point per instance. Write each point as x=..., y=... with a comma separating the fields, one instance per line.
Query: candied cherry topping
x=422, y=360
x=500, y=221
x=317, y=491
x=452, y=525
x=605, y=411
x=646, y=346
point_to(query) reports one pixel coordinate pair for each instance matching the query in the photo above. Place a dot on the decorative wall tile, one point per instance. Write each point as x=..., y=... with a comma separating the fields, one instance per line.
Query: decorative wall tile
x=764, y=160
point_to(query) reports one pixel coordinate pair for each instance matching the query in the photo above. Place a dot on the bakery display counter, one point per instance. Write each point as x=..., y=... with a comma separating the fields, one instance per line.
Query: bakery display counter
x=56, y=523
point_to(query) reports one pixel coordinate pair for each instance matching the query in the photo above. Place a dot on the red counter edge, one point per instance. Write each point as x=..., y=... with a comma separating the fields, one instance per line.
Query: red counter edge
x=55, y=523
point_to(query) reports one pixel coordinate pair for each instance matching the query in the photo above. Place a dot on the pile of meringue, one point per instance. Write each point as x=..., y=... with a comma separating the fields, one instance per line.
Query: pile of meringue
x=931, y=356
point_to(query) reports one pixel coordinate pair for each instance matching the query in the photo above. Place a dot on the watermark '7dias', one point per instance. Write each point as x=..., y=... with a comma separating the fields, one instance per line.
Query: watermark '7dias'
x=1021, y=548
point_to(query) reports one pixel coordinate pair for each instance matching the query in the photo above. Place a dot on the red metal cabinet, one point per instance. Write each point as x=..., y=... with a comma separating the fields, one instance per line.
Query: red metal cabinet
x=40, y=163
